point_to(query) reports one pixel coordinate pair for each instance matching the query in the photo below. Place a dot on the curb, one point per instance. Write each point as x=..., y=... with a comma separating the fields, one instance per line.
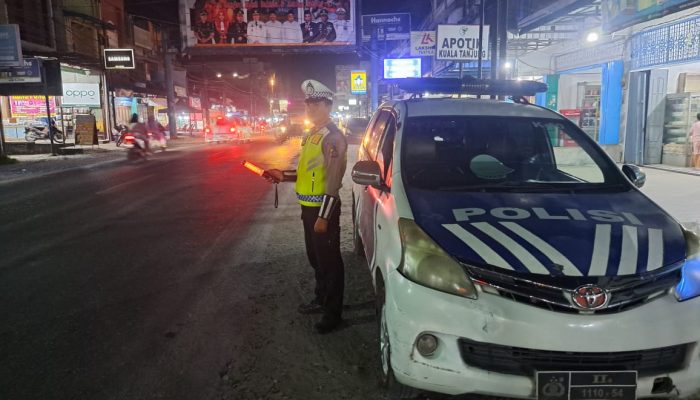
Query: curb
x=88, y=165
x=692, y=173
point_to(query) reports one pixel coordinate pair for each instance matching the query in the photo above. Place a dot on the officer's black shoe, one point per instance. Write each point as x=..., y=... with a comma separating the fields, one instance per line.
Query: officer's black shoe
x=328, y=325
x=314, y=307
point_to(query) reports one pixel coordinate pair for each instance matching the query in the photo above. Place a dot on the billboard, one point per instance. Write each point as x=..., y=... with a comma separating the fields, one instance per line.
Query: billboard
x=230, y=24
x=396, y=68
x=461, y=42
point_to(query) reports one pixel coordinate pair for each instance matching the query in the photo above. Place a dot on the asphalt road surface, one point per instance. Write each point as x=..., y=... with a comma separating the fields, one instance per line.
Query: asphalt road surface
x=174, y=278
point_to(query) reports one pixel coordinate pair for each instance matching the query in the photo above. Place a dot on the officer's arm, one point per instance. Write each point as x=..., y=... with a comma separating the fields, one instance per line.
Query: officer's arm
x=283, y=176
x=335, y=149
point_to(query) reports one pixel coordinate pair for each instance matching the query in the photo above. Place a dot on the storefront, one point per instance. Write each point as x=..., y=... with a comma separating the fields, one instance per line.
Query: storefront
x=587, y=87
x=664, y=93
x=81, y=95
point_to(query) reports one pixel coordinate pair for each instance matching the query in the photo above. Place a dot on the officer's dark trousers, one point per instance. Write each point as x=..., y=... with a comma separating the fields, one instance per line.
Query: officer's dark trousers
x=323, y=251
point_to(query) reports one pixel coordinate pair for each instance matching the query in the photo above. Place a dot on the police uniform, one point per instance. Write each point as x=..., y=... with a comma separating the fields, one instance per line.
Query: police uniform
x=309, y=30
x=256, y=30
x=326, y=30
x=318, y=179
x=345, y=31
x=204, y=30
x=238, y=30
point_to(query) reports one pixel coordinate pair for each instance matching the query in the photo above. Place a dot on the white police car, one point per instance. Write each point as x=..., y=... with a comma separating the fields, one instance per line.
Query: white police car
x=511, y=257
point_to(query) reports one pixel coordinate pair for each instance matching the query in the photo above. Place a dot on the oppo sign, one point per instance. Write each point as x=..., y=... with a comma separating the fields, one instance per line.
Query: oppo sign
x=81, y=94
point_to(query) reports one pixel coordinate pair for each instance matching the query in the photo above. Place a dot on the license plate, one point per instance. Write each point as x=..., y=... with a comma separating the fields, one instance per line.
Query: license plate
x=614, y=385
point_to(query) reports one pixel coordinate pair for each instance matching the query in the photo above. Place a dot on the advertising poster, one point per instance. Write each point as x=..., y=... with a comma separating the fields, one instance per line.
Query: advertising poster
x=260, y=23
x=30, y=106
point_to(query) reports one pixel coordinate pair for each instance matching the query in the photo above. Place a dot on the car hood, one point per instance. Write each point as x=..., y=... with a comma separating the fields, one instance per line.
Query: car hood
x=557, y=234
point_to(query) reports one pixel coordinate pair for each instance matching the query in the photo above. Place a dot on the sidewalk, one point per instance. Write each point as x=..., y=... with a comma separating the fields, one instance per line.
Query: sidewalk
x=35, y=165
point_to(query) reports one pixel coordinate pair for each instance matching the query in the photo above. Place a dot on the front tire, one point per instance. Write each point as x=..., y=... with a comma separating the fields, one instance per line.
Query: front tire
x=394, y=389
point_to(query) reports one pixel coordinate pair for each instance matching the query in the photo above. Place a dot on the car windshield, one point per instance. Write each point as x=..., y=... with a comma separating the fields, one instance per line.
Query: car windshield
x=455, y=153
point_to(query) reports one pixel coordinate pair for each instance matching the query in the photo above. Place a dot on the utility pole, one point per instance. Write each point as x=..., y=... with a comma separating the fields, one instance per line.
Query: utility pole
x=205, y=98
x=169, y=85
x=42, y=66
x=3, y=152
x=374, y=69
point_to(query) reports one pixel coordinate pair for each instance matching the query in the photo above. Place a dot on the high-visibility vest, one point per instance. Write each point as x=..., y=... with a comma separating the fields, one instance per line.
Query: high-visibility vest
x=311, y=170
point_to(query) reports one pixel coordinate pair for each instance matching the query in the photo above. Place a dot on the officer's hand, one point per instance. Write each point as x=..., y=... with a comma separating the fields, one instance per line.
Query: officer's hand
x=321, y=225
x=276, y=174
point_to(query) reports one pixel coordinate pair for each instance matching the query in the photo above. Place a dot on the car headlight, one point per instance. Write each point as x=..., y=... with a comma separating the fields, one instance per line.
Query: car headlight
x=425, y=263
x=689, y=286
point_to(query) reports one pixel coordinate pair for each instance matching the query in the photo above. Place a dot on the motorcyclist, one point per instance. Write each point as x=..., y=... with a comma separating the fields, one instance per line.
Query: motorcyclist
x=156, y=129
x=139, y=130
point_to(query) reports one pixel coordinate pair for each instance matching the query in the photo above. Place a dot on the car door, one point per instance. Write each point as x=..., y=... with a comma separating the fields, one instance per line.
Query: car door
x=367, y=195
x=385, y=213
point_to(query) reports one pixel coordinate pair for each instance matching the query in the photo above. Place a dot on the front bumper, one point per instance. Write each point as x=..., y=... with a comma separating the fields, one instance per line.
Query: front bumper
x=413, y=309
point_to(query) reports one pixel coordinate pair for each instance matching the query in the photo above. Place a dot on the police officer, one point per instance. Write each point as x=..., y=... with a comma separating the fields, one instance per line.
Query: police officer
x=204, y=30
x=344, y=28
x=326, y=30
x=256, y=29
x=309, y=28
x=238, y=30
x=318, y=178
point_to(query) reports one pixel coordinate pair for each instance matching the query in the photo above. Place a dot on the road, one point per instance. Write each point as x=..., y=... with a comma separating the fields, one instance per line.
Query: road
x=174, y=279
x=178, y=279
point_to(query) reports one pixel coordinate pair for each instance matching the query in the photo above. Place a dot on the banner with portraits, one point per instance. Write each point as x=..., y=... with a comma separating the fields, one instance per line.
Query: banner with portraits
x=264, y=23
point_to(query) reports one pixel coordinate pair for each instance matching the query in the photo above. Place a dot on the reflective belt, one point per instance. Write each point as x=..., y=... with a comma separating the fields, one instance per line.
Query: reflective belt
x=310, y=199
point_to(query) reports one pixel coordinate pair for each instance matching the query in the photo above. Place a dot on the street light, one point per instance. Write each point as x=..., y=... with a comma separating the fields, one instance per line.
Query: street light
x=235, y=74
x=218, y=74
x=592, y=37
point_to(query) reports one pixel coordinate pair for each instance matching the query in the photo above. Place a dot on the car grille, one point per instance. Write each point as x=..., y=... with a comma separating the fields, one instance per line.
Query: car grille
x=521, y=361
x=554, y=293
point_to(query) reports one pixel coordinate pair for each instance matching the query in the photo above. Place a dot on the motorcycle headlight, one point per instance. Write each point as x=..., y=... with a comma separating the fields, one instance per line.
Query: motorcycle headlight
x=425, y=263
x=689, y=286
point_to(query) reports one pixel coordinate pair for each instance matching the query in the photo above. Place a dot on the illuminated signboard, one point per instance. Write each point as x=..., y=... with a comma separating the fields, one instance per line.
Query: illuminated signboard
x=395, y=68
x=358, y=82
x=259, y=25
x=119, y=59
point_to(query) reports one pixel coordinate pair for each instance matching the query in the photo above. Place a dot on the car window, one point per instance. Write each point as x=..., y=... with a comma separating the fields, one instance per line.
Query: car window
x=371, y=140
x=503, y=153
x=384, y=156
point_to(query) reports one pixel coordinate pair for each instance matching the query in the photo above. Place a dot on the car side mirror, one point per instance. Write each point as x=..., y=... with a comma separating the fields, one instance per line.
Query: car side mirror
x=634, y=174
x=368, y=173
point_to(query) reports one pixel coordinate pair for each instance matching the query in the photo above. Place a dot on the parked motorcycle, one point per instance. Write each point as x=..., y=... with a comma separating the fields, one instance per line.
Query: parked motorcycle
x=121, y=133
x=34, y=132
